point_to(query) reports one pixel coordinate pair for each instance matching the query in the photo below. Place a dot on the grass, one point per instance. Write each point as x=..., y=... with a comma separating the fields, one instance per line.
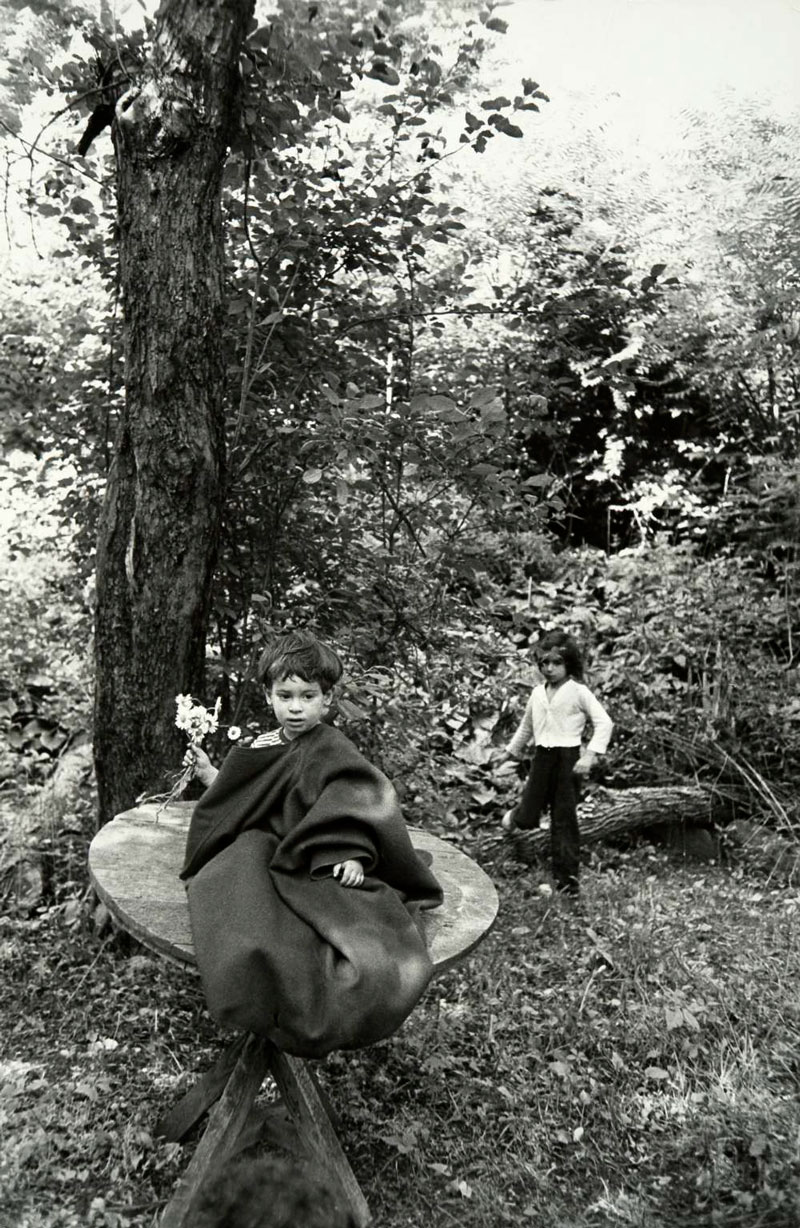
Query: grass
x=633, y=1060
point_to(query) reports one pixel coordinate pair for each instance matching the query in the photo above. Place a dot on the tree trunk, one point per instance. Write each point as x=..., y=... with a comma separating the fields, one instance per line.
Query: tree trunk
x=160, y=523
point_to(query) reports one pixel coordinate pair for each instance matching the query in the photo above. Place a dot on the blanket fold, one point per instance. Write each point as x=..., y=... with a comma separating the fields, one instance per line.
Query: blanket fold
x=284, y=950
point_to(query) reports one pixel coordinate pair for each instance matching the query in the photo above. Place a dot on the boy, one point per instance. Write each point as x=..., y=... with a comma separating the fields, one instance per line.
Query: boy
x=284, y=826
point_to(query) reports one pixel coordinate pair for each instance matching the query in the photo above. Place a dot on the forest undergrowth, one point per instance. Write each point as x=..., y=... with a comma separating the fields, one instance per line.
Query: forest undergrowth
x=629, y=1060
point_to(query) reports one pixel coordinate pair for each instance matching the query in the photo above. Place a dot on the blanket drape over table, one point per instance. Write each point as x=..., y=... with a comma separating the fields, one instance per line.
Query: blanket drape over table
x=284, y=950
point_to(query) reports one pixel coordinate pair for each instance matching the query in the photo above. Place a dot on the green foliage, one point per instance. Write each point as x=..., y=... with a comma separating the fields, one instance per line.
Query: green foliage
x=401, y=443
x=45, y=673
x=335, y=434
x=693, y=657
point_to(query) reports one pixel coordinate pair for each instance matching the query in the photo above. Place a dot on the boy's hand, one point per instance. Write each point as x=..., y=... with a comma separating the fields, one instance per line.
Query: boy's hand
x=349, y=873
x=585, y=764
x=202, y=767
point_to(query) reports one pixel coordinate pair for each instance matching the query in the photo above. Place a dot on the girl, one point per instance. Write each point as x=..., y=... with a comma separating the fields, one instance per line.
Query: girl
x=554, y=720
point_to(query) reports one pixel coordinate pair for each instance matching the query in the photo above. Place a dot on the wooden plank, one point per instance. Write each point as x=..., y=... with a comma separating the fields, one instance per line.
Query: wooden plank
x=225, y=1124
x=180, y=1119
x=305, y=1107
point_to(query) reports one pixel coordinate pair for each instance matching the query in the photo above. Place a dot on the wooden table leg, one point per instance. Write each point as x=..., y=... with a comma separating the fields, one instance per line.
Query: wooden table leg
x=304, y=1104
x=225, y=1124
x=177, y=1123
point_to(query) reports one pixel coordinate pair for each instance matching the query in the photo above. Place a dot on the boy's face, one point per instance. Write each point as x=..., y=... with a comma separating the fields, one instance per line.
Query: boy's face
x=298, y=705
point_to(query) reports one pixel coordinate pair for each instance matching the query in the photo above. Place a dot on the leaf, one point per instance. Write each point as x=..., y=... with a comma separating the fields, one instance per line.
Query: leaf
x=312, y=475
x=673, y=1017
x=40, y=682
x=381, y=71
x=496, y=23
x=440, y=404
x=505, y=126
x=482, y=396
x=656, y=1072
x=53, y=739
x=495, y=104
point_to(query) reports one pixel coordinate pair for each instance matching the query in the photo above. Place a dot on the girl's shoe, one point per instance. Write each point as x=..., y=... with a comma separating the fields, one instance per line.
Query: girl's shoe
x=507, y=822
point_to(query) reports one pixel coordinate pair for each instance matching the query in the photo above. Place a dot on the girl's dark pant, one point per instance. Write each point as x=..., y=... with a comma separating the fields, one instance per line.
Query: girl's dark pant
x=552, y=784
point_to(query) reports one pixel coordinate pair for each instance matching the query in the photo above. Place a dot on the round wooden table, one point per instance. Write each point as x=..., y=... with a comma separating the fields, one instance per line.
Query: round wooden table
x=134, y=862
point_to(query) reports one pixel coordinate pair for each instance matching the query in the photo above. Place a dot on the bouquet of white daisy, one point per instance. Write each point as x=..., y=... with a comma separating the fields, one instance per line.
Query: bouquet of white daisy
x=197, y=722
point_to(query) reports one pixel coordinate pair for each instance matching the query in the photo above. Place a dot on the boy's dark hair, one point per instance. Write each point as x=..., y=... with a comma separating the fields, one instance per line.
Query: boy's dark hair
x=300, y=653
x=272, y=1191
x=567, y=648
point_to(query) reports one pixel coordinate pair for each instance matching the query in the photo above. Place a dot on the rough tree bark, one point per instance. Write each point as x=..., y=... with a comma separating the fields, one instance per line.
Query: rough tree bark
x=160, y=523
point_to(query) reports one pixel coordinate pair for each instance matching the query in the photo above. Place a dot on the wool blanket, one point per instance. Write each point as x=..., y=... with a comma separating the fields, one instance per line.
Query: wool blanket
x=284, y=950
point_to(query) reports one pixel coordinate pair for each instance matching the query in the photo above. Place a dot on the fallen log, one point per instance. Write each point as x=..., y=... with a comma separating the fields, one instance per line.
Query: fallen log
x=610, y=812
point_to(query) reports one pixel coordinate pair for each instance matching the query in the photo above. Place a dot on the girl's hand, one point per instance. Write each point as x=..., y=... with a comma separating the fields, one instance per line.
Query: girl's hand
x=585, y=764
x=505, y=764
x=349, y=873
x=202, y=767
